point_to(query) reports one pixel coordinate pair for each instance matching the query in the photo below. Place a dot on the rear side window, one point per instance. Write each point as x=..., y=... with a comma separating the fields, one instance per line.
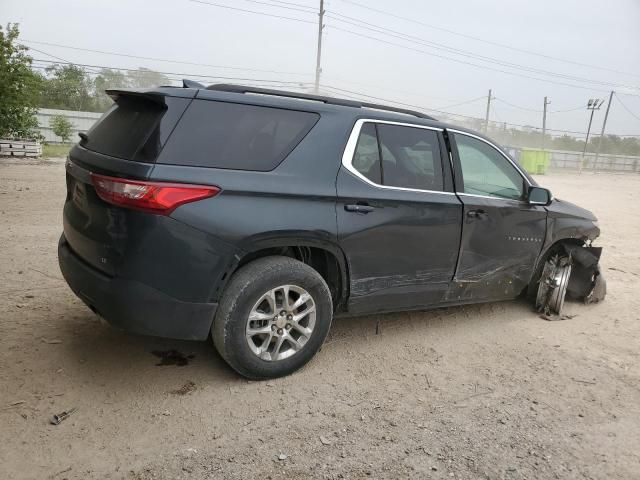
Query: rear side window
x=410, y=157
x=124, y=130
x=399, y=156
x=366, y=158
x=236, y=136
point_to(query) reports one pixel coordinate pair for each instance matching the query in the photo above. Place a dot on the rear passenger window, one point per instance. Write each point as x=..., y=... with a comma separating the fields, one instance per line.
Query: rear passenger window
x=410, y=157
x=236, y=136
x=366, y=159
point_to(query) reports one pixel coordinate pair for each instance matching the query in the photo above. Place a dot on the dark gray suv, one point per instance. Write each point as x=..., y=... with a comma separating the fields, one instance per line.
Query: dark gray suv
x=255, y=216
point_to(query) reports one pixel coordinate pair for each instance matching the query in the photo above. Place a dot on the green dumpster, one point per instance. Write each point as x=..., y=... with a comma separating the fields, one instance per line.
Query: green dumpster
x=535, y=161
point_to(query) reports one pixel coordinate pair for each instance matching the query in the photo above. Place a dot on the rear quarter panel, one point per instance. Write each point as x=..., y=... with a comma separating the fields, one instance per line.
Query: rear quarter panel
x=295, y=202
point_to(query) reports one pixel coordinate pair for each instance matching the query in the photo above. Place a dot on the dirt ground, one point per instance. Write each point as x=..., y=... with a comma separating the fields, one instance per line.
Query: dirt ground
x=488, y=391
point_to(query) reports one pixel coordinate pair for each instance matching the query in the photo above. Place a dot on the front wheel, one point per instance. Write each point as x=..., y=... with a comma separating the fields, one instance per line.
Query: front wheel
x=273, y=317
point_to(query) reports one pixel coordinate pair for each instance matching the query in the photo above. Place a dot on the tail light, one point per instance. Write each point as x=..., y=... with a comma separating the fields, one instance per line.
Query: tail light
x=154, y=197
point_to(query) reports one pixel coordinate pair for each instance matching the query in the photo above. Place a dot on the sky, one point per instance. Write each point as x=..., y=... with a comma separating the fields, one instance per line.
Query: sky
x=429, y=54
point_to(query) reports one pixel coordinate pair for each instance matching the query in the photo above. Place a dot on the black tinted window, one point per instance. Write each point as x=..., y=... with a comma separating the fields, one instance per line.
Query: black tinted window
x=410, y=157
x=125, y=128
x=236, y=136
x=366, y=158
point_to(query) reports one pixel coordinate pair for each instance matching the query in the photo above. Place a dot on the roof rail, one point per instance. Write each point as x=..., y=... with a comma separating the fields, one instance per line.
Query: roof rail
x=224, y=87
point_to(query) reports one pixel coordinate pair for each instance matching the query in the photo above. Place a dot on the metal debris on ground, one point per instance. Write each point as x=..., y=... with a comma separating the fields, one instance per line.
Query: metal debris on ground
x=555, y=318
x=61, y=417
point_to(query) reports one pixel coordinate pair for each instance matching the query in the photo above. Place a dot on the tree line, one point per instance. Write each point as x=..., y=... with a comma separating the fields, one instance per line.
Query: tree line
x=23, y=89
x=611, y=144
x=70, y=87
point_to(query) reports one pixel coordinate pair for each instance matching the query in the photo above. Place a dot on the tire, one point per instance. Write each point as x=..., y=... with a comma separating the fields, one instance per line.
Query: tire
x=249, y=285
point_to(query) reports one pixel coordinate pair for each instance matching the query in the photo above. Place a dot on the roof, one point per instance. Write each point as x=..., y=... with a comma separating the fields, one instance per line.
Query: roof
x=309, y=97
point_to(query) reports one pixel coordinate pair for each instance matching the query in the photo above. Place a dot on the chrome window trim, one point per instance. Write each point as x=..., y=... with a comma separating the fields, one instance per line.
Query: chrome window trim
x=495, y=147
x=492, y=197
x=349, y=150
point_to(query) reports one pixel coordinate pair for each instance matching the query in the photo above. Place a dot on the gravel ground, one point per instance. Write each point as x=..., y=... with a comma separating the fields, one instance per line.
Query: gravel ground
x=487, y=391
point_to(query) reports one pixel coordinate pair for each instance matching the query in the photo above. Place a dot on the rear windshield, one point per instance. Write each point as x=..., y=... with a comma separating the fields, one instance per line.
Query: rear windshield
x=125, y=128
x=236, y=136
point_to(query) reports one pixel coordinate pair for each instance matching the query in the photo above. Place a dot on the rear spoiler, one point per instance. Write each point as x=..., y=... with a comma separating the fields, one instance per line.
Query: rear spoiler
x=154, y=94
x=186, y=83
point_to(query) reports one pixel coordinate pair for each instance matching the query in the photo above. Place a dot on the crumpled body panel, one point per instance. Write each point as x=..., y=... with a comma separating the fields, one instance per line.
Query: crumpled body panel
x=574, y=273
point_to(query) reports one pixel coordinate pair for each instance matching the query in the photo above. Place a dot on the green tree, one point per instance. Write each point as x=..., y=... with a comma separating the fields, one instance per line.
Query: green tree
x=19, y=87
x=108, y=78
x=62, y=127
x=68, y=87
x=143, y=78
x=566, y=142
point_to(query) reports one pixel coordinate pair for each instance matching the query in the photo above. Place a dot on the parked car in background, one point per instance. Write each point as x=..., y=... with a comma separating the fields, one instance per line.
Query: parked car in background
x=255, y=216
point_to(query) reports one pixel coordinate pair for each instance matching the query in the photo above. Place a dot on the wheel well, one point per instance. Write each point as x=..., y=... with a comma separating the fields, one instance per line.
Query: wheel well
x=321, y=260
x=557, y=247
x=552, y=250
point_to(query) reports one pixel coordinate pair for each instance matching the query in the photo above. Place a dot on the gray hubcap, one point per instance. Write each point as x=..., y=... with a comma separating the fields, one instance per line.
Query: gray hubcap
x=281, y=322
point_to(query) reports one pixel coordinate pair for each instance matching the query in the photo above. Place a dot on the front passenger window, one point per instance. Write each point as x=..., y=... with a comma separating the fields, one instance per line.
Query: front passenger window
x=485, y=171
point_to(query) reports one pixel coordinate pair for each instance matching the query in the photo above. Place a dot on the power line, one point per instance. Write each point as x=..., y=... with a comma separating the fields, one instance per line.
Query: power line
x=182, y=75
x=465, y=102
x=313, y=9
x=626, y=108
x=254, y=83
x=502, y=45
x=156, y=59
x=429, y=53
x=581, y=107
x=288, y=6
x=386, y=100
x=462, y=61
x=386, y=88
x=518, y=106
x=49, y=55
x=252, y=11
x=456, y=51
x=396, y=102
x=385, y=31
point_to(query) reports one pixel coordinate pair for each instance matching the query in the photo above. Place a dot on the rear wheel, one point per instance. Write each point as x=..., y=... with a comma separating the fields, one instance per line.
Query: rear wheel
x=273, y=317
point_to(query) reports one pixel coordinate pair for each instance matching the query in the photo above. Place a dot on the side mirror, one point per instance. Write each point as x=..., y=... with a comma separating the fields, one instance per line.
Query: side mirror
x=539, y=196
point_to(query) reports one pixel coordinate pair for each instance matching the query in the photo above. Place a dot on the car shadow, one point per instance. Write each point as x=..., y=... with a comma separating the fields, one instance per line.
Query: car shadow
x=103, y=353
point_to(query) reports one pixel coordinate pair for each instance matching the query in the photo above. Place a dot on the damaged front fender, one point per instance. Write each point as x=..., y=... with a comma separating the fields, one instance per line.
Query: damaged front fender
x=573, y=272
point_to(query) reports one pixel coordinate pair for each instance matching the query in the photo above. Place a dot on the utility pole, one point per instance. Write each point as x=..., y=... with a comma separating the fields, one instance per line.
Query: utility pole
x=544, y=121
x=486, y=118
x=604, y=124
x=593, y=105
x=319, y=52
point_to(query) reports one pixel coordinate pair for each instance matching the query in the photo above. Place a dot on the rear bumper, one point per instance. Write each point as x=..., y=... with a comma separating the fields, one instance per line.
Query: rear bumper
x=132, y=305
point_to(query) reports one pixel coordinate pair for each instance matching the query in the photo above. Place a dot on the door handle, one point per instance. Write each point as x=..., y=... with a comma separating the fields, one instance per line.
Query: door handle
x=359, y=208
x=477, y=213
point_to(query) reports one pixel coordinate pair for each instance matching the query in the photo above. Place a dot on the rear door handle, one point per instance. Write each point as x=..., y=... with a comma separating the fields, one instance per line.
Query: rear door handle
x=359, y=208
x=477, y=213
